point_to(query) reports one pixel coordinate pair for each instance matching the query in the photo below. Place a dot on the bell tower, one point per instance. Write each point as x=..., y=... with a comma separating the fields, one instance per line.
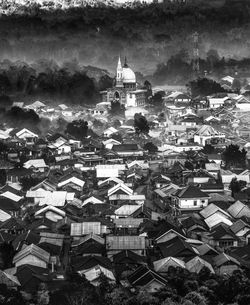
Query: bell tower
x=119, y=76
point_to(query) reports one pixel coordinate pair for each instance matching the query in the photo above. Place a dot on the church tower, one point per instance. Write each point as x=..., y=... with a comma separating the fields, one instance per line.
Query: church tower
x=119, y=74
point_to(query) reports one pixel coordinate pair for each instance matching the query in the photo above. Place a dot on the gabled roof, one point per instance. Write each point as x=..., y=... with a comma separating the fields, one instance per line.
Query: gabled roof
x=120, y=187
x=11, y=196
x=25, y=130
x=32, y=250
x=28, y=237
x=90, y=261
x=143, y=276
x=36, y=163
x=125, y=147
x=221, y=231
x=126, y=210
x=12, y=223
x=216, y=219
x=239, y=225
x=207, y=130
x=108, y=180
x=89, y=237
x=177, y=247
x=190, y=192
x=239, y=209
x=51, y=209
x=224, y=258
x=205, y=248
x=73, y=180
x=212, y=209
x=163, y=264
x=126, y=255
x=196, y=264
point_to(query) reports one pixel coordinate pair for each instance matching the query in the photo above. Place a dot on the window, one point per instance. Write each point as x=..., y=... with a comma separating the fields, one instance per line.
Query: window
x=195, y=202
x=203, y=201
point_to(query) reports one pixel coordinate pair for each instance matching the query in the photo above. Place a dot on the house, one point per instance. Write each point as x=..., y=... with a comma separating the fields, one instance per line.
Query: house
x=190, y=198
x=55, y=198
x=128, y=150
x=206, y=134
x=225, y=264
x=108, y=144
x=196, y=264
x=178, y=248
x=26, y=135
x=32, y=255
x=126, y=210
x=109, y=132
x=87, y=227
x=217, y=102
x=72, y=182
x=239, y=210
x=212, y=209
x=163, y=232
x=93, y=199
x=227, y=176
x=37, y=165
x=116, y=244
x=162, y=265
x=92, y=267
x=127, y=261
x=90, y=244
x=199, y=176
x=240, y=229
x=221, y=236
x=109, y=170
x=60, y=147
x=14, y=175
x=30, y=277
x=51, y=212
x=147, y=278
x=217, y=219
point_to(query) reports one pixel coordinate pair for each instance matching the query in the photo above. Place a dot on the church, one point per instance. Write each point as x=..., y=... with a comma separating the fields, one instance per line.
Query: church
x=125, y=90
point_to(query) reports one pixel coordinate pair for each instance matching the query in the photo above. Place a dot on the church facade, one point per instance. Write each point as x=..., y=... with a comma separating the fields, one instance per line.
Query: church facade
x=125, y=90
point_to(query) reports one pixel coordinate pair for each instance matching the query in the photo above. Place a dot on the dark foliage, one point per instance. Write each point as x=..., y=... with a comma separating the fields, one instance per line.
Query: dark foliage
x=77, y=129
x=233, y=156
x=141, y=123
x=28, y=182
x=204, y=87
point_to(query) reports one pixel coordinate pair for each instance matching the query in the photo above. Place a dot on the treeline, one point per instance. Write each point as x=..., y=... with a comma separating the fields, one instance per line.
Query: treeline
x=148, y=34
x=46, y=79
x=179, y=68
x=182, y=288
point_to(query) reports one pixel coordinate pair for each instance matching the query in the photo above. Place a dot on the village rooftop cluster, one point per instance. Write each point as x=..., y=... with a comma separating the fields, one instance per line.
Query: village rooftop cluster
x=125, y=204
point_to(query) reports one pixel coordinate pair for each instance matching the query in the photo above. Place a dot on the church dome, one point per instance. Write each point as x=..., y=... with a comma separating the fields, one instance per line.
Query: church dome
x=128, y=75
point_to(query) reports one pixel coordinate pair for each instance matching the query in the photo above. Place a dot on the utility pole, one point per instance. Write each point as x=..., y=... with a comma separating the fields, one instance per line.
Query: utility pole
x=196, y=55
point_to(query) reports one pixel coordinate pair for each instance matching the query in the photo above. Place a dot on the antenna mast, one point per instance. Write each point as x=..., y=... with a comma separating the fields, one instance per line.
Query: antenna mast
x=196, y=55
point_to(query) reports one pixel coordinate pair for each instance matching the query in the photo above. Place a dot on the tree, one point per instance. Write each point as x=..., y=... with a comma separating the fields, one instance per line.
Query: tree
x=6, y=255
x=233, y=156
x=236, y=85
x=3, y=176
x=157, y=98
x=141, y=123
x=150, y=147
x=204, y=87
x=116, y=108
x=236, y=186
x=208, y=149
x=77, y=129
x=77, y=291
x=28, y=182
x=42, y=295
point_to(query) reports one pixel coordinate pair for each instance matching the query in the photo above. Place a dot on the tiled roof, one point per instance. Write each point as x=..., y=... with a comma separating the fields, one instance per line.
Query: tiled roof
x=190, y=192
